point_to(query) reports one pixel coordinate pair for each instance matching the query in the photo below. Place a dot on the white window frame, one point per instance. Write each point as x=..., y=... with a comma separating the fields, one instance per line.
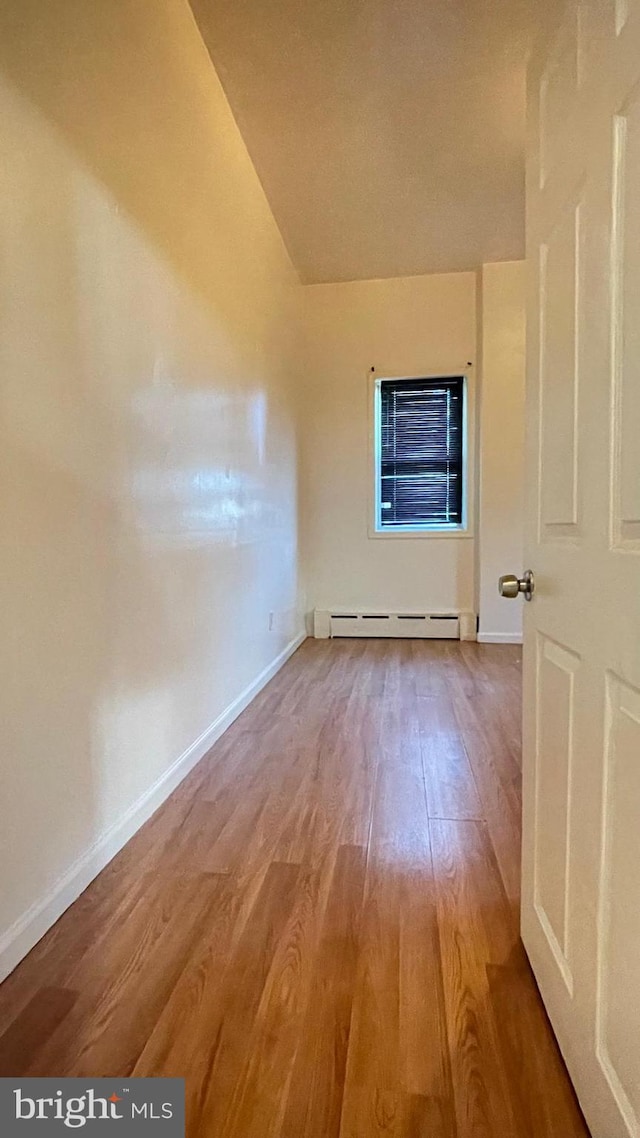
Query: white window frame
x=435, y=529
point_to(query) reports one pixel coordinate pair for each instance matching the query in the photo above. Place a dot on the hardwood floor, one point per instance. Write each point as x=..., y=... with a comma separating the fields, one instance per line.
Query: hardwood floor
x=319, y=929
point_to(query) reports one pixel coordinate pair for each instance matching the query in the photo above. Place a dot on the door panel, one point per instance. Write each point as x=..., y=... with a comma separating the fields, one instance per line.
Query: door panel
x=560, y=371
x=626, y=314
x=558, y=92
x=581, y=769
x=619, y=917
x=557, y=668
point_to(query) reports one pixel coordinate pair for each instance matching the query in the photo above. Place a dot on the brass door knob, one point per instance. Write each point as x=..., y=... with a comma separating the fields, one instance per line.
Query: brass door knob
x=511, y=586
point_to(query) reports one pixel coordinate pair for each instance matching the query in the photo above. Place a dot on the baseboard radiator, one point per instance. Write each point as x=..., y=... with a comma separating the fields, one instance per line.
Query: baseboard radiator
x=330, y=623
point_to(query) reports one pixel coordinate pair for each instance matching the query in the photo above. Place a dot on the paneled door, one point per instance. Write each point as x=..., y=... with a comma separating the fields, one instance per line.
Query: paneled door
x=581, y=853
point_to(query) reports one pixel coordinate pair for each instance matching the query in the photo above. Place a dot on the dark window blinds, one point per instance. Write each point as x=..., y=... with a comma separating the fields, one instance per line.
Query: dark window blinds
x=421, y=429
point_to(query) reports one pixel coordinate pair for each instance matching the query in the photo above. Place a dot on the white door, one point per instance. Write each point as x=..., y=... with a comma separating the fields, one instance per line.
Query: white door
x=581, y=854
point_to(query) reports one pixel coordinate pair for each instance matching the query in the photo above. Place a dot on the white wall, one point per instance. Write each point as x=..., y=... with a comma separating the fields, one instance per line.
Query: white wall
x=147, y=444
x=404, y=326
x=501, y=499
x=409, y=326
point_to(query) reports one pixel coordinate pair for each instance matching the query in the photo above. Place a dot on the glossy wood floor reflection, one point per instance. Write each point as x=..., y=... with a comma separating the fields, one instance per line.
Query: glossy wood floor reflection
x=319, y=929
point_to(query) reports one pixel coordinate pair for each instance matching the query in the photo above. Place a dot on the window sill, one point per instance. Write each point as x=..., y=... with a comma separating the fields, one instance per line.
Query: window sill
x=442, y=534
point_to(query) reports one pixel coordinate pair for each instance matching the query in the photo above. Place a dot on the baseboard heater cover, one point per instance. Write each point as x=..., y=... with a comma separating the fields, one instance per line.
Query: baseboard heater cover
x=330, y=623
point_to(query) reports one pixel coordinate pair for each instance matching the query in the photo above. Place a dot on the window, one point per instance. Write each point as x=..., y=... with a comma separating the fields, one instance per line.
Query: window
x=419, y=432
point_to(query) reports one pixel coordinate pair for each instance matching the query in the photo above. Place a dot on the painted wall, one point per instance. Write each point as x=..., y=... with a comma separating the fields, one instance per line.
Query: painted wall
x=408, y=326
x=501, y=451
x=404, y=326
x=147, y=439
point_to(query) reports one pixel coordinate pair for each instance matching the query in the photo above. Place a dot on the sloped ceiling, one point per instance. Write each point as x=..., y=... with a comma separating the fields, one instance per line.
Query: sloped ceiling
x=388, y=134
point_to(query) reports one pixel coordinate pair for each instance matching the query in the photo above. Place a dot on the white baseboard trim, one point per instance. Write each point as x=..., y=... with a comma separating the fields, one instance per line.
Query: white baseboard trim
x=21, y=937
x=499, y=638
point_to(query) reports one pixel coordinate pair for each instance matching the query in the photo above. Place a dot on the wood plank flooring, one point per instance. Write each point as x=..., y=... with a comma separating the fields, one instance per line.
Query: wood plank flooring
x=319, y=929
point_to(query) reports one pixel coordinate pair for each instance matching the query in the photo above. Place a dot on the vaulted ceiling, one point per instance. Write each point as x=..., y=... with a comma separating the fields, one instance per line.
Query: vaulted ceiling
x=388, y=134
